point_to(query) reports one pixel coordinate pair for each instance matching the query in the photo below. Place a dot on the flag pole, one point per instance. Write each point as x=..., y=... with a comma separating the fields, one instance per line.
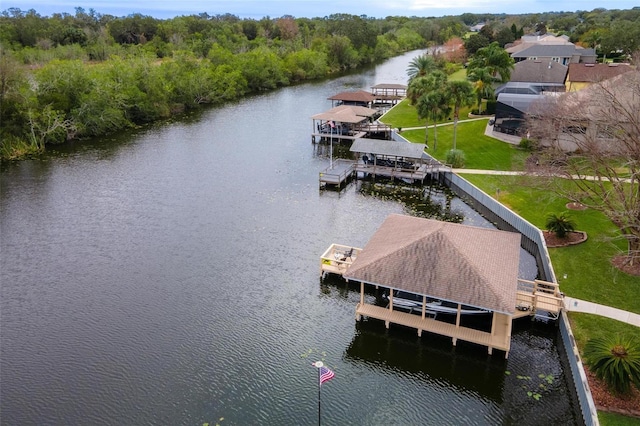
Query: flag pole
x=319, y=387
x=319, y=364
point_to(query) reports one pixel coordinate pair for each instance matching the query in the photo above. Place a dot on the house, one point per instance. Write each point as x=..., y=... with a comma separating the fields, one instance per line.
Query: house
x=603, y=116
x=583, y=75
x=515, y=99
x=564, y=54
x=531, y=40
x=538, y=71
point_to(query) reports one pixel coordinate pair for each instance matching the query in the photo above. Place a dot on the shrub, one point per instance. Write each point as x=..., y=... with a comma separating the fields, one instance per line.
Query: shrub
x=527, y=144
x=455, y=157
x=616, y=360
x=560, y=224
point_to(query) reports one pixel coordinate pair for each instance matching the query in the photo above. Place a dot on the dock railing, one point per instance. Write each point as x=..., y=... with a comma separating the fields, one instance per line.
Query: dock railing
x=340, y=172
x=539, y=295
x=337, y=258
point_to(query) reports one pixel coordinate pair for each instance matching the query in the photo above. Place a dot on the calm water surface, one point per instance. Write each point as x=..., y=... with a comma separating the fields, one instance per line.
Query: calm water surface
x=171, y=276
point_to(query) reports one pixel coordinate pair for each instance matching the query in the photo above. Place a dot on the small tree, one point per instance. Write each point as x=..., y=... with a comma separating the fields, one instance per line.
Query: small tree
x=560, y=224
x=616, y=360
x=456, y=158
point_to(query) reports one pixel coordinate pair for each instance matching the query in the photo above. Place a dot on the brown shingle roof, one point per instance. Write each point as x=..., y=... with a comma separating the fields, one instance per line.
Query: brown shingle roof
x=459, y=263
x=539, y=72
x=346, y=114
x=358, y=96
x=594, y=73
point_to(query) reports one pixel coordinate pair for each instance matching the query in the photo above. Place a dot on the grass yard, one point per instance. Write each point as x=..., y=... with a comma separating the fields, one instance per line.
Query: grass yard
x=590, y=275
x=460, y=75
x=404, y=116
x=612, y=419
x=481, y=152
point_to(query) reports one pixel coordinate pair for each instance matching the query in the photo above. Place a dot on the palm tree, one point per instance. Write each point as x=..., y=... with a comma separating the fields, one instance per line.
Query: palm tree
x=424, y=93
x=495, y=59
x=481, y=79
x=616, y=360
x=418, y=86
x=433, y=105
x=421, y=66
x=459, y=93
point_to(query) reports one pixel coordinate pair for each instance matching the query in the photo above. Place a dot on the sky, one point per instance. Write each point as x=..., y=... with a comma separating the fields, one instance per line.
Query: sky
x=256, y=9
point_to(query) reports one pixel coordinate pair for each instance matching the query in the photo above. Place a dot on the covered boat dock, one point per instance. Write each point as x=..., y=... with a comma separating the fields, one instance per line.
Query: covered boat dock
x=358, y=98
x=346, y=122
x=461, y=265
x=387, y=95
x=394, y=159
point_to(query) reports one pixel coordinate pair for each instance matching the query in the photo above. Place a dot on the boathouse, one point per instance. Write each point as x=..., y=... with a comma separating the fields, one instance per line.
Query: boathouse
x=394, y=159
x=380, y=157
x=387, y=95
x=357, y=98
x=344, y=122
x=463, y=266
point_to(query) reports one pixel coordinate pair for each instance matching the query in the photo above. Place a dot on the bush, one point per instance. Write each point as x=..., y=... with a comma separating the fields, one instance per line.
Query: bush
x=455, y=157
x=527, y=144
x=560, y=224
x=616, y=360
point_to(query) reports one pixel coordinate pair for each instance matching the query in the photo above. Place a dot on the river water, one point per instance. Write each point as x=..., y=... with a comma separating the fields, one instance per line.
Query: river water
x=170, y=275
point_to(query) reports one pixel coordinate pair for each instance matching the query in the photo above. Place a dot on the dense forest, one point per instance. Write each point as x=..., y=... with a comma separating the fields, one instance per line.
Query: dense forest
x=69, y=76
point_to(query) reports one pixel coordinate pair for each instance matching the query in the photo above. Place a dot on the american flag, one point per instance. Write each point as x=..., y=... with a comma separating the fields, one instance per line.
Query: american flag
x=325, y=374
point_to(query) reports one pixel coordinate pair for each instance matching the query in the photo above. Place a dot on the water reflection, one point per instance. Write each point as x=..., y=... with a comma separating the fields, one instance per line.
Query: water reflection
x=170, y=276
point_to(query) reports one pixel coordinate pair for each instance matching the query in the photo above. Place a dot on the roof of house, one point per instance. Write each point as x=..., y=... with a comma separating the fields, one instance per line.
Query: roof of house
x=389, y=148
x=458, y=263
x=594, y=73
x=553, y=51
x=346, y=114
x=357, y=96
x=539, y=72
x=604, y=99
x=528, y=41
x=519, y=101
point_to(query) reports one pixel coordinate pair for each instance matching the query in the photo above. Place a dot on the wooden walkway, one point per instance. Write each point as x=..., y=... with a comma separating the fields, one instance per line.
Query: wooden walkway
x=417, y=174
x=535, y=296
x=336, y=136
x=499, y=338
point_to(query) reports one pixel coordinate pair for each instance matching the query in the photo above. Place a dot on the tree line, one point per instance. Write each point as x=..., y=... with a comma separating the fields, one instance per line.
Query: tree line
x=72, y=76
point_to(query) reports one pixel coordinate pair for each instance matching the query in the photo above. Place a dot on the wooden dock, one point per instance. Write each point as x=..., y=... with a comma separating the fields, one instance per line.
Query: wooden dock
x=341, y=172
x=538, y=298
x=418, y=173
x=498, y=338
x=337, y=259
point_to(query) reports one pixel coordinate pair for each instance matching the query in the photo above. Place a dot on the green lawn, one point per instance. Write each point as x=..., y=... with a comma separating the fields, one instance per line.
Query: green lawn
x=460, y=75
x=612, y=419
x=589, y=274
x=404, y=116
x=481, y=152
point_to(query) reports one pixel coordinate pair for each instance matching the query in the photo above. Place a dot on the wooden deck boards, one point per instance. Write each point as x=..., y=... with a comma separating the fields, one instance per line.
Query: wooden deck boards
x=499, y=340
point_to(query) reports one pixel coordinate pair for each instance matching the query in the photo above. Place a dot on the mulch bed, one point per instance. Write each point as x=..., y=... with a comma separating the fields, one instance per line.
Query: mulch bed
x=621, y=262
x=575, y=237
x=628, y=405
